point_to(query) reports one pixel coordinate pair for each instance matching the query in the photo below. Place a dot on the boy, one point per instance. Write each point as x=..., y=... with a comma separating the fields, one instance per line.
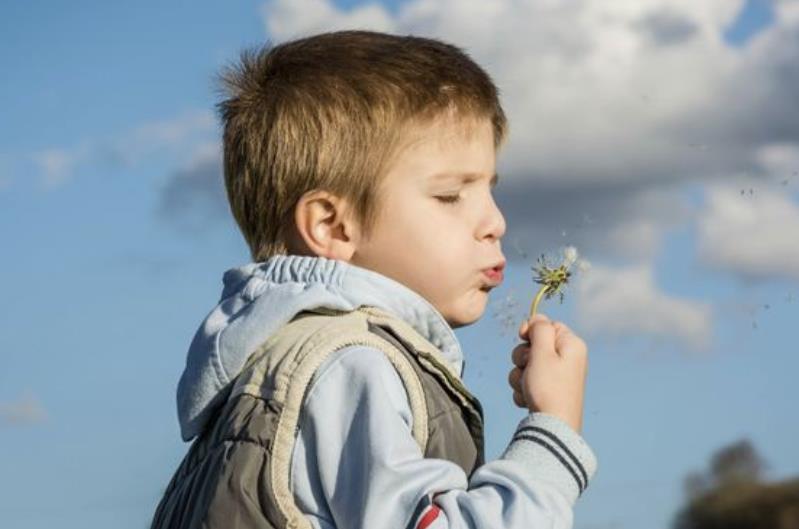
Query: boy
x=324, y=390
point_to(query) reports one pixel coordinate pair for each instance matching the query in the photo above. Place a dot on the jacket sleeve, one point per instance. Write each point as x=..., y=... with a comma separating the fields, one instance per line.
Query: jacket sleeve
x=356, y=464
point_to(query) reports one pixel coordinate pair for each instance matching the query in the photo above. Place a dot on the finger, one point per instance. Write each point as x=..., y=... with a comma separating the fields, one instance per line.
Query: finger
x=523, y=328
x=514, y=378
x=570, y=344
x=561, y=329
x=520, y=354
x=518, y=399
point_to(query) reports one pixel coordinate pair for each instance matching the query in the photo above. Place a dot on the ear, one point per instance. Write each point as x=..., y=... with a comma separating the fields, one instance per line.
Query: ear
x=324, y=227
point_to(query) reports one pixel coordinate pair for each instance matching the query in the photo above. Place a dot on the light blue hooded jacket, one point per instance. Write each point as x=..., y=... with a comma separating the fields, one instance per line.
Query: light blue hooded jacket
x=356, y=396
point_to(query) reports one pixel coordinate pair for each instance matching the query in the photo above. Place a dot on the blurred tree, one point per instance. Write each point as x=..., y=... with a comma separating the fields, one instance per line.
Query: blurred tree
x=731, y=495
x=696, y=484
x=737, y=463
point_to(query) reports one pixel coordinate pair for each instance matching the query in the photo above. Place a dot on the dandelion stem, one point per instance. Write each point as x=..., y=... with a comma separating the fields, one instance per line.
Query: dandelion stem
x=537, y=299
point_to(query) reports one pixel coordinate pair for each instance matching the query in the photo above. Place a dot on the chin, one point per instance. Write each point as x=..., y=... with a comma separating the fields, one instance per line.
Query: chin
x=462, y=320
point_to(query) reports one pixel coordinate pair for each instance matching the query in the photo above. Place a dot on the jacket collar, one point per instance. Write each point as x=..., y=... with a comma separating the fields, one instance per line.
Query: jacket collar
x=258, y=298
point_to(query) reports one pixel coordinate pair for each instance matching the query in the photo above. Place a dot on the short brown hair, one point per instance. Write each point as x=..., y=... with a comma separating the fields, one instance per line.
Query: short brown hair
x=330, y=111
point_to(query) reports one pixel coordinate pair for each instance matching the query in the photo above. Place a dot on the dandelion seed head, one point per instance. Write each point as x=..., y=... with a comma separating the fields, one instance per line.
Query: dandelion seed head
x=555, y=278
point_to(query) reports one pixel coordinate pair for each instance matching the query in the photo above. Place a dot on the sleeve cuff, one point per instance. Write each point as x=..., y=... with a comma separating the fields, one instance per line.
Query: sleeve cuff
x=548, y=449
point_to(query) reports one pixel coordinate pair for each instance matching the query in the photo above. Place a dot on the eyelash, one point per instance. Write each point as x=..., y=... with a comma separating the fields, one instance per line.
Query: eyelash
x=449, y=199
x=454, y=199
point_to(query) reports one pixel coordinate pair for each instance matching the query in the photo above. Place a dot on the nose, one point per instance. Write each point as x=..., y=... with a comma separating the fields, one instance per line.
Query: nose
x=493, y=223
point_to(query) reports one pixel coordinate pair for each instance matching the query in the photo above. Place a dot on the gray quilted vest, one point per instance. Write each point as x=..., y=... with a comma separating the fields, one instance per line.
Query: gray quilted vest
x=236, y=473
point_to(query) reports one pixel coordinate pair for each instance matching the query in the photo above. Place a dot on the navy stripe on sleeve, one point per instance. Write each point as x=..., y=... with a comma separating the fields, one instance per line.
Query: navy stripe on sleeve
x=557, y=455
x=563, y=447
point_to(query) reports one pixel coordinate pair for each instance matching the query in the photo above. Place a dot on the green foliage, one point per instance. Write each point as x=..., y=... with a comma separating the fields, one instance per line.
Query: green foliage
x=744, y=506
x=731, y=495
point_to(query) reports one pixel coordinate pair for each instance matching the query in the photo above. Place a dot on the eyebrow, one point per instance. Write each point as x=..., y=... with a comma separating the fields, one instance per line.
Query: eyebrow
x=465, y=177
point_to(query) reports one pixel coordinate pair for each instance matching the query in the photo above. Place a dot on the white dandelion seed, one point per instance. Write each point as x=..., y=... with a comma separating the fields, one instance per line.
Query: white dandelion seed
x=569, y=256
x=583, y=265
x=506, y=313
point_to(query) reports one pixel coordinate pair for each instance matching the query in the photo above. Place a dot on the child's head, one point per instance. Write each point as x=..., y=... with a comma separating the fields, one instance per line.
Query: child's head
x=331, y=144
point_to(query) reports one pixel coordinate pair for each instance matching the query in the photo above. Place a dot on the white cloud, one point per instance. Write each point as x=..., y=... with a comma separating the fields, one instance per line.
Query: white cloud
x=58, y=165
x=625, y=301
x=204, y=152
x=780, y=160
x=194, y=198
x=636, y=239
x=754, y=235
x=608, y=222
x=289, y=20
x=26, y=410
x=165, y=133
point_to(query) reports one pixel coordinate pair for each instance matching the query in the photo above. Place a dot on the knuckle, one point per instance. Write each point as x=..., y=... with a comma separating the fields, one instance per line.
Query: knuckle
x=519, y=354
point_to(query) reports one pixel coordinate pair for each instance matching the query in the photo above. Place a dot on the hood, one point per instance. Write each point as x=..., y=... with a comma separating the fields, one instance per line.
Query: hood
x=258, y=298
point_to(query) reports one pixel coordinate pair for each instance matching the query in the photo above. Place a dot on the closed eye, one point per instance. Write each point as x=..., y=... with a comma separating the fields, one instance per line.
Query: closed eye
x=449, y=199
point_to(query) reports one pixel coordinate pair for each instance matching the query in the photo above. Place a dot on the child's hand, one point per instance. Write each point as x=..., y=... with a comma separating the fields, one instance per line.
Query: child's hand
x=550, y=371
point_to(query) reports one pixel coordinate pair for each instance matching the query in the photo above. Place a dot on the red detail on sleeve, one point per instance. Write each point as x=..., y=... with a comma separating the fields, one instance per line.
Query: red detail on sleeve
x=429, y=516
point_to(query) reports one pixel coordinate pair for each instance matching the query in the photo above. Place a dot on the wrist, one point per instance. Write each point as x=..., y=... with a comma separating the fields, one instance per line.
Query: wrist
x=575, y=423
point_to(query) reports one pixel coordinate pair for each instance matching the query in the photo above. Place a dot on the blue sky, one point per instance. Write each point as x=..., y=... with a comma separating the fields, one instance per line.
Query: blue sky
x=114, y=250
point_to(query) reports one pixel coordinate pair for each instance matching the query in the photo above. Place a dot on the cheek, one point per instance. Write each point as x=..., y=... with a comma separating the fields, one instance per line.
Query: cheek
x=422, y=235
x=412, y=223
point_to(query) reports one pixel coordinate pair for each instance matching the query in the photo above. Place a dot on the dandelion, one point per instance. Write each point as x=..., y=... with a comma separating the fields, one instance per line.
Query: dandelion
x=555, y=278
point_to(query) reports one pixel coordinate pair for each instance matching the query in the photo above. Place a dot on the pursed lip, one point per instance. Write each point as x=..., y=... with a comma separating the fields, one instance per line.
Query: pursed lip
x=495, y=274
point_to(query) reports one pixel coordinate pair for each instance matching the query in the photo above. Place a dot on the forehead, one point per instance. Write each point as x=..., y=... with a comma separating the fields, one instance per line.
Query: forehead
x=448, y=150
